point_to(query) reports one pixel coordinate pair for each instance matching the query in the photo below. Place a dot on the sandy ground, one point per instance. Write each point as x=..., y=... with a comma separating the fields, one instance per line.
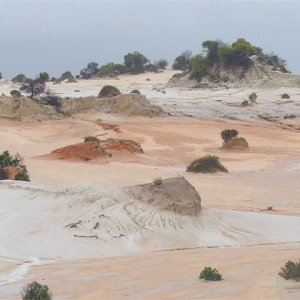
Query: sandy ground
x=266, y=175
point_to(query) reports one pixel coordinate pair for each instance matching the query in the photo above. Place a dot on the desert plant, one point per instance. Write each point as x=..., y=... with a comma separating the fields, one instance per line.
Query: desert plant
x=135, y=62
x=244, y=103
x=252, y=97
x=206, y=164
x=52, y=99
x=285, y=96
x=22, y=175
x=199, y=65
x=109, y=91
x=36, y=291
x=44, y=77
x=33, y=87
x=157, y=181
x=90, y=70
x=183, y=61
x=135, y=91
x=211, y=274
x=20, y=78
x=111, y=69
x=161, y=64
x=291, y=270
x=228, y=134
x=15, y=93
x=91, y=139
x=8, y=160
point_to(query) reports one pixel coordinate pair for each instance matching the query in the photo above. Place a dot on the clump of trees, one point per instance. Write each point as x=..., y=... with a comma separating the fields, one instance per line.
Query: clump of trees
x=216, y=52
x=206, y=164
x=36, y=291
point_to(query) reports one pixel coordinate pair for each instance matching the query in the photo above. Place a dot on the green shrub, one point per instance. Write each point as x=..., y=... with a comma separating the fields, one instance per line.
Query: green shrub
x=157, y=181
x=36, y=291
x=210, y=274
x=20, y=78
x=22, y=175
x=183, y=61
x=7, y=160
x=44, y=77
x=206, y=164
x=229, y=134
x=91, y=139
x=291, y=270
x=15, y=93
x=135, y=62
x=111, y=69
x=199, y=65
x=285, y=96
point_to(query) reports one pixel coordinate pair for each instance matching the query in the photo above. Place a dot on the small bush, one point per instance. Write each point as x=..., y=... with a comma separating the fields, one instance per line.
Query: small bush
x=15, y=93
x=36, y=291
x=109, y=91
x=7, y=160
x=157, y=181
x=285, y=96
x=22, y=175
x=291, y=270
x=210, y=274
x=206, y=164
x=91, y=139
x=245, y=103
x=20, y=78
x=135, y=91
x=229, y=134
x=253, y=97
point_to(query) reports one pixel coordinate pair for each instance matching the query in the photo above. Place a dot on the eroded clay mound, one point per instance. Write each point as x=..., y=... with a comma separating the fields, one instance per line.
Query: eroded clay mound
x=121, y=145
x=83, y=151
x=93, y=150
x=236, y=143
x=9, y=172
x=25, y=108
x=175, y=195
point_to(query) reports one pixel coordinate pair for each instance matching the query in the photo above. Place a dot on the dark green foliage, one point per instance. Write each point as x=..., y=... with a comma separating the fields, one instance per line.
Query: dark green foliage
x=111, y=69
x=90, y=70
x=199, y=66
x=135, y=62
x=33, y=87
x=210, y=274
x=285, y=96
x=36, y=291
x=8, y=160
x=109, y=91
x=212, y=48
x=161, y=64
x=243, y=46
x=22, y=175
x=15, y=93
x=44, y=77
x=20, y=78
x=183, y=61
x=228, y=134
x=67, y=76
x=206, y=164
x=52, y=99
x=91, y=139
x=151, y=68
x=291, y=270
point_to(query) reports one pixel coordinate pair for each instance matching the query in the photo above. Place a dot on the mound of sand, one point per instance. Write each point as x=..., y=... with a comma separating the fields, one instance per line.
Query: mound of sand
x=257, y=75
x=126, y=104
x=109, y=91
x=175, y=195
x=93, y=150
x=236, y=143
x=25, y=108
x=82, y=151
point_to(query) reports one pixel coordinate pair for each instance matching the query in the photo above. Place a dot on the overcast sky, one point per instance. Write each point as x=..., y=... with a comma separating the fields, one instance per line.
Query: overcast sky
x=56, y=36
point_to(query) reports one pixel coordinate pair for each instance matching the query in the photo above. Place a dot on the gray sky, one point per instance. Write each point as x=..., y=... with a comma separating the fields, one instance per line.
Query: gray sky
x=56, y=36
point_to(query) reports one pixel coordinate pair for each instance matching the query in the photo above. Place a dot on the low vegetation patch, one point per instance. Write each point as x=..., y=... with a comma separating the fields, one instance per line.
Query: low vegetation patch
x=157, y=181
x=109, y=91
x=91, y=139
x=36, y=291
x=291, y=270
x=210, y=274
x=206, y=164
x=15, y=93
x=285, y=96
x=228, y=134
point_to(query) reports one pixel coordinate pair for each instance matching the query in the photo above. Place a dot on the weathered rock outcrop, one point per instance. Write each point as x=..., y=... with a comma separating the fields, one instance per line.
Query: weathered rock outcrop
x=236, y=143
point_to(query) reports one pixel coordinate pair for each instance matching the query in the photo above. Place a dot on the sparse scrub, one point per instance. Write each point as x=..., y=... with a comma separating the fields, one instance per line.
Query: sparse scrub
x=157, y=181
x=20, y=78
x=91, y=139
x=109, y=91
x=291, y=270
x=229, y=134
x=285, y=96
x=252, y=97
x=52, y=99
x=135, y=91
x=15, y=93
x=206, y=164
x=36, y=291
x=22, y=175
x=210, y=274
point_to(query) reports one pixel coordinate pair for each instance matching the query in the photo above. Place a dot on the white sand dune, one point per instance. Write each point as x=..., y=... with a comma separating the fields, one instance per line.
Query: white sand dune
x=34, y=219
